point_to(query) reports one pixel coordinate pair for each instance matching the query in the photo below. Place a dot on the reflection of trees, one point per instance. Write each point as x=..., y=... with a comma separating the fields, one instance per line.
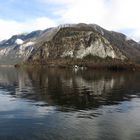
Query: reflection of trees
x=83, y=89
x=63, y=87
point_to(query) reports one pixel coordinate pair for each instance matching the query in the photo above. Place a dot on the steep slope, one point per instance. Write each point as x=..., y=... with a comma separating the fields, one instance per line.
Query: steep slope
x=70, y=43
x=77, y=43
x=18, y=47
x=129, y=47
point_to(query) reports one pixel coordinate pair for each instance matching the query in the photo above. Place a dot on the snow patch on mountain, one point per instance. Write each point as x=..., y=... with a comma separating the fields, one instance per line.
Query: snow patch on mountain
x=26, y=47
x=28, y=44
x=19, y=41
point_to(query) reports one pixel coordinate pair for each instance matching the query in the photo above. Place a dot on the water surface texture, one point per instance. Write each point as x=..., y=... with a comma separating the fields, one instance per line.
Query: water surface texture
x=60, y=104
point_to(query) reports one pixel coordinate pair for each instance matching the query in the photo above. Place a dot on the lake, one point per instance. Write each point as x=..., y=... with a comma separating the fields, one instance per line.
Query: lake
x=62, y=104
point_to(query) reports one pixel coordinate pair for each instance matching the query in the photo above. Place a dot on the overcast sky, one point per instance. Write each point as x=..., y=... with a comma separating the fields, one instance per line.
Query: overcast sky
x=18, y=16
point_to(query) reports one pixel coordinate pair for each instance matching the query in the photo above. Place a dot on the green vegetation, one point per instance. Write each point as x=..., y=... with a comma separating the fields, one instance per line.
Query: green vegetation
x=92, y=57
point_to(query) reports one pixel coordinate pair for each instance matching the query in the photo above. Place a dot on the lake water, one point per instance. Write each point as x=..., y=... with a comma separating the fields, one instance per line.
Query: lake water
x=60, y=104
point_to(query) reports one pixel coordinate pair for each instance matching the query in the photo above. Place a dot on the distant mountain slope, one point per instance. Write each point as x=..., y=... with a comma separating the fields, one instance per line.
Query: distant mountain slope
x=69, y=41
x=129, y=47
x=18, y=47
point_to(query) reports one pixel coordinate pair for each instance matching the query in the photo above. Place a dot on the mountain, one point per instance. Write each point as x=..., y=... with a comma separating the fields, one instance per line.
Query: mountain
x=17, y=48
x=70, y=44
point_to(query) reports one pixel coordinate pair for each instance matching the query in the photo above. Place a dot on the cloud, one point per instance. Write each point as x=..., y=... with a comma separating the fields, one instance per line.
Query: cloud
x=58, y=2
x=43, y=23
x=111, y=14
x=118, y=15
x=11, y=27
x=8, y=28
x=89, y=11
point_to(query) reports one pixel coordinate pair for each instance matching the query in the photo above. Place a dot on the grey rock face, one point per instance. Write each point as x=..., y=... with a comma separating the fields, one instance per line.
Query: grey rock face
x=75, y=41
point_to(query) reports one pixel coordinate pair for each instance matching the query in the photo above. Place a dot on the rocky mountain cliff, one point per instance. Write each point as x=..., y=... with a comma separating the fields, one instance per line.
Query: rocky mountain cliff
x=70, y=43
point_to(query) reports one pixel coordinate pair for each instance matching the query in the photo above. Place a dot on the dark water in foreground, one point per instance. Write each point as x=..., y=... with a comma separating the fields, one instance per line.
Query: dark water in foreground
x=59, y=104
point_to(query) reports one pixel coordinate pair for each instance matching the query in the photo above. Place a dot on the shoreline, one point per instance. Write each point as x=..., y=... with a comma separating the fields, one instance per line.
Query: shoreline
x=79, y=64
x=84, y=64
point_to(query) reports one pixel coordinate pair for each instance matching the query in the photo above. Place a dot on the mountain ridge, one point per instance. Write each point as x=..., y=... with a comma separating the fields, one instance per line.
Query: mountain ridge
x=73, y=41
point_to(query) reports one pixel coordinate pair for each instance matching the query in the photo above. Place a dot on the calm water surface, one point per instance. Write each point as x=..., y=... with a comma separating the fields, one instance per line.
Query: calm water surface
x=58, y=104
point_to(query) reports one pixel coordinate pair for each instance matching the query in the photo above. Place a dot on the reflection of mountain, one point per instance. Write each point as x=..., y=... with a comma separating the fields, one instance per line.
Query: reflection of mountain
x=95, y=87
x=65, y=88
x=13, y=80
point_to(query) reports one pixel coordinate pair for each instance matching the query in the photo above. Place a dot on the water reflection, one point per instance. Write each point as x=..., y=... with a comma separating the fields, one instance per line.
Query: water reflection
x=65, y=88
x=49, y=104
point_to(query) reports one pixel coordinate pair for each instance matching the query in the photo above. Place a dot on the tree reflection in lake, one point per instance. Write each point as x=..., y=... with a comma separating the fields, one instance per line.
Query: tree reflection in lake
x=49, y=104
x=82, y=90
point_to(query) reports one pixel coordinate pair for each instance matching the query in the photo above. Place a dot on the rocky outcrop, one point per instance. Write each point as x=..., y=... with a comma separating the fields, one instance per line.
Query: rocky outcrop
x=17, y=48
x=73, y=43
x=77, y=43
